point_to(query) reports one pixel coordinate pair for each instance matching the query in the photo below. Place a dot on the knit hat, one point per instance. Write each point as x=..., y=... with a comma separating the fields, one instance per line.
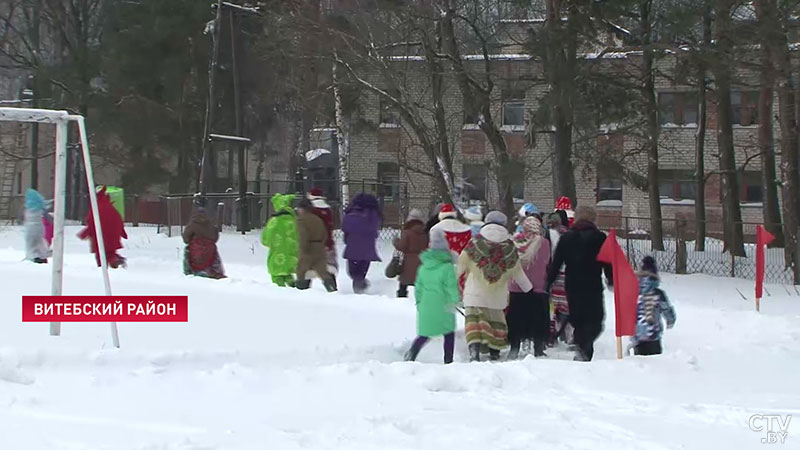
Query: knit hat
x=474, y=214
x=564, y=203
x=34, y=200
x=415, y=214
x=497, y=218
x=447, y=210
x=316, y=193
x=438, y=240
x=528, y=209
x=649, y=265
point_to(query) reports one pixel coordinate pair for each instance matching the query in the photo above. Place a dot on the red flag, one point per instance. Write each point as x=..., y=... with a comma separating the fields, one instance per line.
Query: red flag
x=763, y=238
x=626, y=285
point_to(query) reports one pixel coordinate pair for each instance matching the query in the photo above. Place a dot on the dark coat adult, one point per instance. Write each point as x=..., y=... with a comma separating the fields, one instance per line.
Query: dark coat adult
x=360, y=226
x=577, y=250
x=412, y=242
x=311, y=237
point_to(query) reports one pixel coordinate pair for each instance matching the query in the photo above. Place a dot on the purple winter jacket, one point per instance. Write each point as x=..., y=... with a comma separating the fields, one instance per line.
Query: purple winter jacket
x=360, y=227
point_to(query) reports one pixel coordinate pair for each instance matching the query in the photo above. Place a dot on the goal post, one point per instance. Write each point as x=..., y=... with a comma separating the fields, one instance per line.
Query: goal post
x=61, y=119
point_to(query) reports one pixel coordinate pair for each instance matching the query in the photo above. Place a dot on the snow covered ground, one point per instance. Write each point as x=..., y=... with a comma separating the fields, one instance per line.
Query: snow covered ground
x=261, y=367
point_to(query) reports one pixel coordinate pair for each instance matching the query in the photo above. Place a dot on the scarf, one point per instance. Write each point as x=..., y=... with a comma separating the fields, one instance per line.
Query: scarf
x=529, y=240
x=493, y=259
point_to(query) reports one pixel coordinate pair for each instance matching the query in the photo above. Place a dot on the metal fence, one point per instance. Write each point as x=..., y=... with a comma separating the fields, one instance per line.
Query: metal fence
x=680, y=254
x=170, y=213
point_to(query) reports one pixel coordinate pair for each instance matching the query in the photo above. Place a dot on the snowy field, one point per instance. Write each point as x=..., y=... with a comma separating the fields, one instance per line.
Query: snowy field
x=258, y=367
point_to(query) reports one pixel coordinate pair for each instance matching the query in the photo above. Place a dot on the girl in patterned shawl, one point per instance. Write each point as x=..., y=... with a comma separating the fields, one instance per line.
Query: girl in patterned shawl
x=488, y=263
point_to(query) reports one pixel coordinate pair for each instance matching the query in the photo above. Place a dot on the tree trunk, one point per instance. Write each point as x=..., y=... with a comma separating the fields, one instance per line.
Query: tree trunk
x=344, y=151
x=731, y=208
x=766, y=144
x=653, y=129
x=700, y=142
x=478, y=98
x=560, y=72
x=774, y=35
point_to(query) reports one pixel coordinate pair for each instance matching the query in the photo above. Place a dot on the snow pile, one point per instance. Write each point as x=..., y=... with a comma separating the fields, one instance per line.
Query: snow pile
x=261, y=367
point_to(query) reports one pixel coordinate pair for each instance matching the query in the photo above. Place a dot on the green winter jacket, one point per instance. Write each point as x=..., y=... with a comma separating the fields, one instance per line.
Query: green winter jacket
x=280, y=236
x=436, y=293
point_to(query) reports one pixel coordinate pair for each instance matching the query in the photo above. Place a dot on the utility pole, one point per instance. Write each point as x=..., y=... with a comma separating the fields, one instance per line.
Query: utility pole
x=244, y=226
x=211, y=103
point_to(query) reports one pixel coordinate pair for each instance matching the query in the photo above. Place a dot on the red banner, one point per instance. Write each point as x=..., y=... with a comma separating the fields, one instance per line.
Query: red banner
x=105, y=309
x=626, y=285
x=763, y=238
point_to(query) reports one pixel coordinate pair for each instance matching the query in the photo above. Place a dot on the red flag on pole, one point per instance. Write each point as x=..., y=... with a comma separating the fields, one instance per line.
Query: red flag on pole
x=763, y=238
x=626, y=285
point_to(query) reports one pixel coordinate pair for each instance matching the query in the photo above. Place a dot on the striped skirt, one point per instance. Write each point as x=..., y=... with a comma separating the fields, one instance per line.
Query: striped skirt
x=486, y=327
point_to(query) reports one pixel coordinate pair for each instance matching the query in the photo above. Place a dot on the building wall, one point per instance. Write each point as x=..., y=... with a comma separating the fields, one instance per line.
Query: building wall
x=373, y=144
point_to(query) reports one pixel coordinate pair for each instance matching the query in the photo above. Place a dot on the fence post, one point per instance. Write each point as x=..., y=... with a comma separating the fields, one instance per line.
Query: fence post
x=733, y=264
x=169, y=216
x=136, y=210
x=628, y=239
x=680, y=242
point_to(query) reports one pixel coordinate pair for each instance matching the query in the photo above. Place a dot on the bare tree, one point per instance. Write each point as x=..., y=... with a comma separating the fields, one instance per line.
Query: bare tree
x=722, y=70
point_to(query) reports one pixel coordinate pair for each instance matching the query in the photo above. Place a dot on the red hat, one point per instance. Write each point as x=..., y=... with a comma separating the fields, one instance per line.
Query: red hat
x=316, y=192
x=563, y=203
x=447, y=210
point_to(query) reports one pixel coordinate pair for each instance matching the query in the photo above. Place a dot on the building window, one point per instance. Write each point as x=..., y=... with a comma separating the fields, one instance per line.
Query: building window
x=677, y=184
x=745, y=107
x=388, y=179
x=751, y=189
x=517, y=174
x=609, y=189
x=514, y=109
x=677, y=108
x=390, y=114
x=474, y=181
x=471, y=120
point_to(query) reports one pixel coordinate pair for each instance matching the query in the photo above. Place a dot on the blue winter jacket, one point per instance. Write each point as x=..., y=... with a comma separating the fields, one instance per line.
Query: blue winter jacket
x=653, y=303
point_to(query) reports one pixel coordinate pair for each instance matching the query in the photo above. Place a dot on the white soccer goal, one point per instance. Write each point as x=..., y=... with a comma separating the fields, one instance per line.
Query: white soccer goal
x=61, y=119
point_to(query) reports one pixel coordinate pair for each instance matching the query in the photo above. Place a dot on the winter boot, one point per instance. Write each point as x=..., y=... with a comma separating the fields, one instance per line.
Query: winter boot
x=402, y=292
x=303, y=284
x=411, y=354
x=514, y=352
x=330, y=284
x=494, y=355
x=40, y=260
x=538, y=349
x=474, y=352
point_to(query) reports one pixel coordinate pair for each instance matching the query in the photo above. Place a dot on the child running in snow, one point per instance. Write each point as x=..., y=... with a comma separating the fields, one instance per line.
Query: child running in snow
x=323, y=210
x=280, y=237
x=488, y=264
x=528, y=313
x=312, y=258
x=201, y=257
x=36, y=247
x=113, y=231
x=360, y=226
x=653, y=303
x=413, y=241
x=436, y=296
